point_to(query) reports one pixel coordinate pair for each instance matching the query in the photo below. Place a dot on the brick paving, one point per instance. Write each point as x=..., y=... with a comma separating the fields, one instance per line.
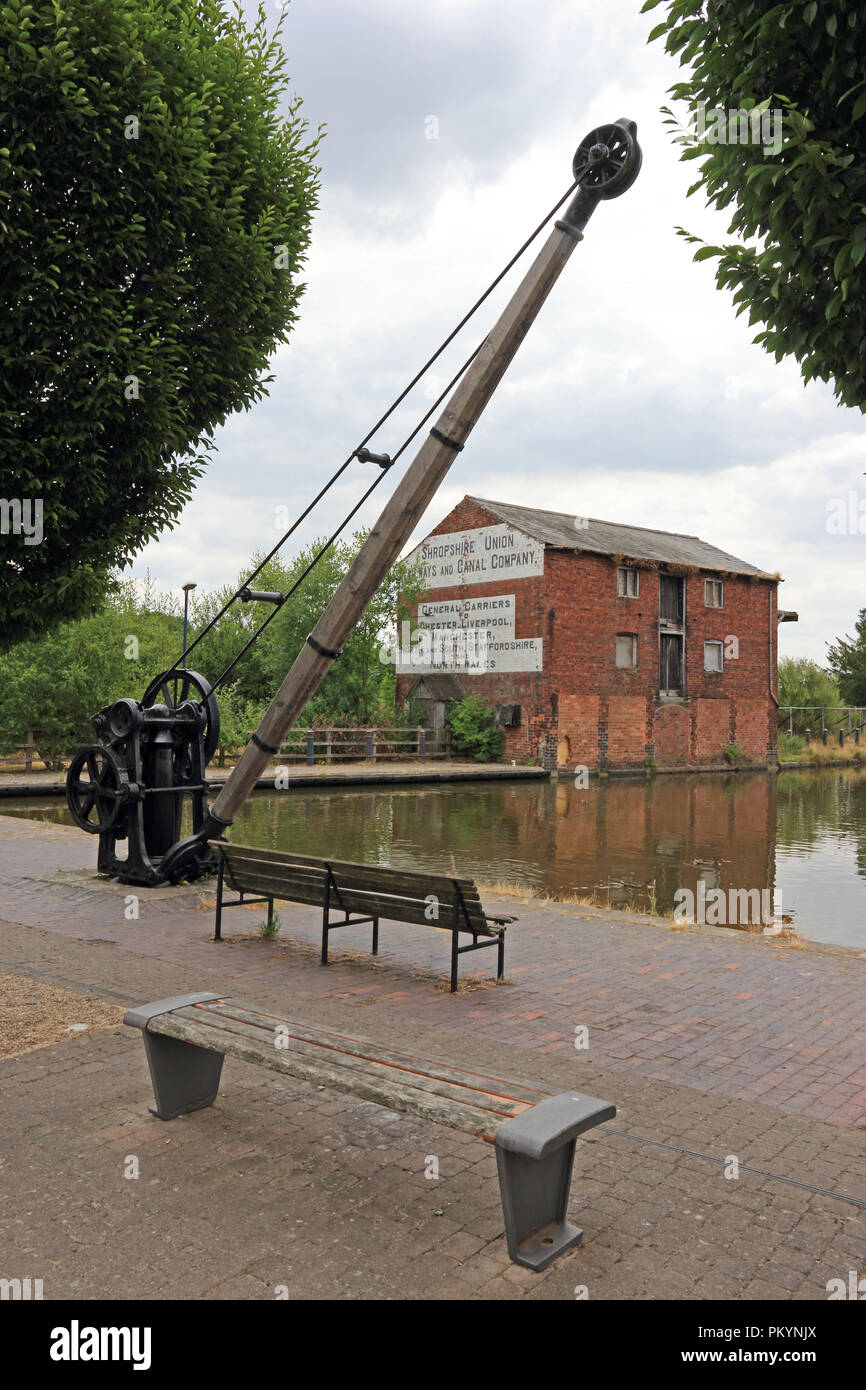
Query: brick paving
x=711, y=1043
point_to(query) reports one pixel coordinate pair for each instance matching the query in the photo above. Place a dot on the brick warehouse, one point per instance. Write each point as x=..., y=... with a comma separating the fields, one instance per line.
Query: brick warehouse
x=609, y=646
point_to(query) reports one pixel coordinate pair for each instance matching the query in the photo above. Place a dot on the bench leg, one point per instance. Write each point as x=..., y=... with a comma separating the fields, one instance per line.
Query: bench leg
x=534, y=1202
x=217, y=934
x=375, y=936
x=185, y=1077
x=535, y=1157
x=500, y=957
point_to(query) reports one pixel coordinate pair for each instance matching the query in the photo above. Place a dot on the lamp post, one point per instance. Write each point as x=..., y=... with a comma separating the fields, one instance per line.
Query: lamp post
x=187, y=588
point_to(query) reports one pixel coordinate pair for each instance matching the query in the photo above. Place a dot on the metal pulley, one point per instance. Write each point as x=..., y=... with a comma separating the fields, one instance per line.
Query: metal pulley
x=608, y=160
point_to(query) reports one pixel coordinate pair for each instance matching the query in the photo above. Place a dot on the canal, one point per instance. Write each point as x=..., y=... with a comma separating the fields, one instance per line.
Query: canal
x=630, y=842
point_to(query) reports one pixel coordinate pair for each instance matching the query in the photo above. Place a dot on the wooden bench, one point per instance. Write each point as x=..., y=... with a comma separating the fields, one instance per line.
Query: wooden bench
x=534, y=1131
x=362, y=893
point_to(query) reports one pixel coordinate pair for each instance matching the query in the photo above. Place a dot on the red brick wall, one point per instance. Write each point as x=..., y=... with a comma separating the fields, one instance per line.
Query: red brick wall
x=610, y=715
x=712, y=729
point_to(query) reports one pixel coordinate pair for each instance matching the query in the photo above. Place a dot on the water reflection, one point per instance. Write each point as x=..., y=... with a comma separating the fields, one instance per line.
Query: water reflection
x=627, y=841
x=630, y=842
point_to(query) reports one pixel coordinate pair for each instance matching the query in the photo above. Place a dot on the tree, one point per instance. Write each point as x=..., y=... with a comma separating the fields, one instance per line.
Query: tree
x=55, y=683
x=846, y=658
x=804, y=682
x=52, y=685
x=155, y=210
x=802, y=195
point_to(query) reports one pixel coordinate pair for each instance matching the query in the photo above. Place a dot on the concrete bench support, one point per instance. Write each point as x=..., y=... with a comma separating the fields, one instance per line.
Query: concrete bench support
x=185, y=1077
x=535, y=1157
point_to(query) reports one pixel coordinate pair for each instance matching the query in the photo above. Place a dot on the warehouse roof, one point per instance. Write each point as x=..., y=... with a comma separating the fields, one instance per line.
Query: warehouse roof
x=561, y=530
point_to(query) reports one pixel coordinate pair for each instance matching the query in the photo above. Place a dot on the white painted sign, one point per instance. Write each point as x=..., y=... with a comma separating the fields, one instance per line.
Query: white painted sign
x=495, y=614
x=480, y=556
x=514, y=654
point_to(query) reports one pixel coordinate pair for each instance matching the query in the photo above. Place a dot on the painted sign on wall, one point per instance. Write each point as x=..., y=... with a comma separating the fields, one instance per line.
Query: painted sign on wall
x=486, y=626
x=480, y=556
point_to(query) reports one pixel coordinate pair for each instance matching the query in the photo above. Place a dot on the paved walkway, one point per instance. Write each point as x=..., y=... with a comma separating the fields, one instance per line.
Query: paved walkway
x=711, y=1043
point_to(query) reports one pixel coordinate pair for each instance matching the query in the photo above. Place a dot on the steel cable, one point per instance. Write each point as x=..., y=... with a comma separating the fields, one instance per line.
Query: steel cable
x=173, y=670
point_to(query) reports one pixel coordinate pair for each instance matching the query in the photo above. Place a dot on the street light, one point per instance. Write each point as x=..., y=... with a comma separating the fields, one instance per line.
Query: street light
x=186, y=593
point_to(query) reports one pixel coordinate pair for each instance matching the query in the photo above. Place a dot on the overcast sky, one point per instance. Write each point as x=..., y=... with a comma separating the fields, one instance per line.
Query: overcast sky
x=638, y=397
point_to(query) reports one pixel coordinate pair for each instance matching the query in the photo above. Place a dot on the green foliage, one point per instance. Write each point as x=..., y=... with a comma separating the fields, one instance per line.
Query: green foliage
x=805, y=205
x=803, y=682
x=846, y=658
x=53, y=684
x=155, y=209
x=475, y=732
x=359, y=688
x=789, y=745
x=270, y=930
x=734, y=754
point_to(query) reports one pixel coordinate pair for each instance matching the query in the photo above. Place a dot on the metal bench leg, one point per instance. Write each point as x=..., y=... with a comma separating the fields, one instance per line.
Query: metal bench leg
x=375, y=936
x=535, y=1157
x=500, y=957
x=326, y=914
x=217, y=935
x=185, y=1077
x=455, y=943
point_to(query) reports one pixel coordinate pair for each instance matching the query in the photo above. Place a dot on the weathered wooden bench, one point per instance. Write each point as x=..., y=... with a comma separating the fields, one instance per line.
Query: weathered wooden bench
x=535, y=1132
x=362, y=893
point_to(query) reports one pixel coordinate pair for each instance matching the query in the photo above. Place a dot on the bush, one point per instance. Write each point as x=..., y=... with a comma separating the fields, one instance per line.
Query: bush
x=475, y=731
x=734, y=754
x=790, y=744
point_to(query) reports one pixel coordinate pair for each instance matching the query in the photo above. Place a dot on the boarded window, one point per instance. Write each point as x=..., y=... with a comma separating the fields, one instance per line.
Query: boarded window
x=626, y=649
x=670, y=598
x=713, y=656
x=714, y=593
x=627, y=583
x=670, y=664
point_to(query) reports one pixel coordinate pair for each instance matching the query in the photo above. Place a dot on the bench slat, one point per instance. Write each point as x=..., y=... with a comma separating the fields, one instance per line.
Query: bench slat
x=392, y=906
x=395, y=1095
x=401, y=1074
x=377, y=875
x=347, y=1045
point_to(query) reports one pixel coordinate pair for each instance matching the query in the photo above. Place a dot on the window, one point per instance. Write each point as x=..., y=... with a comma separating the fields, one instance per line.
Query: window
x=713, y=656
x=627, y=583
x=714, y=593
x=626, y=649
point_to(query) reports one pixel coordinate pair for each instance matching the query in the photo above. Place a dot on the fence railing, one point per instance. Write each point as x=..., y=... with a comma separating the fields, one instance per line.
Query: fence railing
x=303, y=746
x=841, y=723
x=371, y=745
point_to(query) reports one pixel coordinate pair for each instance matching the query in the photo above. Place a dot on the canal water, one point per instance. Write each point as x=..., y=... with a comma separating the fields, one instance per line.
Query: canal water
x=800, y=836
